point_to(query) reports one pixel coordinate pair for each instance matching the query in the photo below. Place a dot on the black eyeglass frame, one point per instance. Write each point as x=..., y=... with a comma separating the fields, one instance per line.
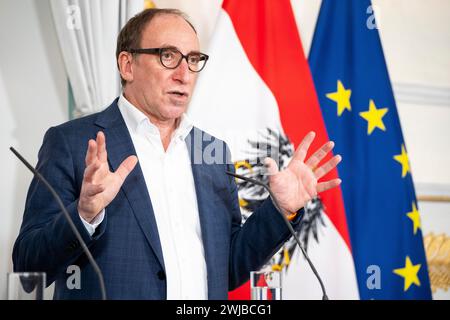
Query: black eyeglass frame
x=203, y=56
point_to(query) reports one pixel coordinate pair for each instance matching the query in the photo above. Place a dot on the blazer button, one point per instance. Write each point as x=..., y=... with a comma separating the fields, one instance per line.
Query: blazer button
x=75, y=244
x=161, y=275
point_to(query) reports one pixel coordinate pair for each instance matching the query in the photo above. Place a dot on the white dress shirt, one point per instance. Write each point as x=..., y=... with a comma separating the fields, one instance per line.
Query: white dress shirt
x=170, y=185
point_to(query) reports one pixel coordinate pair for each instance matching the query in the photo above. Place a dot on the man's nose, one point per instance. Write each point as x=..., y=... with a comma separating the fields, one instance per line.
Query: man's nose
x=182, y=72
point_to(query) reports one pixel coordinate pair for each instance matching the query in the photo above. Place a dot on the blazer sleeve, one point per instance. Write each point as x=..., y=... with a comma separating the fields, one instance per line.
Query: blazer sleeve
x=46, y=242
x=258, y=239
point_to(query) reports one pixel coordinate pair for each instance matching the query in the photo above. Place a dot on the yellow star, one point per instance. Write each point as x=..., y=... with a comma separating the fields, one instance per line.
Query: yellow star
x=374, y=117
x=342, y=97
x=409, y=273
x=403, y=159
x=415, y=217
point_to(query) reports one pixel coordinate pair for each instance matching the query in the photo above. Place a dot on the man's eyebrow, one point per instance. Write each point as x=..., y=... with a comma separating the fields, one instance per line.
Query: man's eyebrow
x=168, y=46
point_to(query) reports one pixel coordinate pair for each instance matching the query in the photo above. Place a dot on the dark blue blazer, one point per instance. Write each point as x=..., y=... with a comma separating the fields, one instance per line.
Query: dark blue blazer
x=126, y=244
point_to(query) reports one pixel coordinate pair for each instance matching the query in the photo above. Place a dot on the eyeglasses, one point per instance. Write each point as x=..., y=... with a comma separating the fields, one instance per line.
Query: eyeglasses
x=171, y=57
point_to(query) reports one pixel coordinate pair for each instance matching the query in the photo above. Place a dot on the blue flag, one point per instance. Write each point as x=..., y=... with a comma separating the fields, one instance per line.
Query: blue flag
x=360, y=114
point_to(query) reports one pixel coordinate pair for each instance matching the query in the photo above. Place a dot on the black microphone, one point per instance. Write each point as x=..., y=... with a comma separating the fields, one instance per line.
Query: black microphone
x=288, y=224
x=69, y=220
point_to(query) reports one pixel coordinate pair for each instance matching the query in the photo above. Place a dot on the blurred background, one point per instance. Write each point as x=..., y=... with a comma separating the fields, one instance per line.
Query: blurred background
x=35, y=95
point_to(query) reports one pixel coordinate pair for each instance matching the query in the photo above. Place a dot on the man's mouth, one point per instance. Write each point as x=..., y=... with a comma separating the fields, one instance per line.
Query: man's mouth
x=179, y=93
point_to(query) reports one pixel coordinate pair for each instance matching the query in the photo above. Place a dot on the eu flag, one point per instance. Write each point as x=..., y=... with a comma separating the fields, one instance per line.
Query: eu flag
x=360, y=114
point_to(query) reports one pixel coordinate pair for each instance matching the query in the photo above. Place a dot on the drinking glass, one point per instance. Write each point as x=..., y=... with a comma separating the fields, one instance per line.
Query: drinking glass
x=266, y=284
x=26, y=285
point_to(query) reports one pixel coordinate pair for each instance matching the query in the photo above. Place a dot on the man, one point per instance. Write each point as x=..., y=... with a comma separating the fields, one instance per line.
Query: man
x=168, y=226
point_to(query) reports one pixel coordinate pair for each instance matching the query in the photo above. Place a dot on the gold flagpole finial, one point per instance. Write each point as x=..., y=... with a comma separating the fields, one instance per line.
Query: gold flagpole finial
x=148, y=4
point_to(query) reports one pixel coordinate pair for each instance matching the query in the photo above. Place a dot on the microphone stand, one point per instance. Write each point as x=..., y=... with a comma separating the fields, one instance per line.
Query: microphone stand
x=69, y=220
x=288, y=224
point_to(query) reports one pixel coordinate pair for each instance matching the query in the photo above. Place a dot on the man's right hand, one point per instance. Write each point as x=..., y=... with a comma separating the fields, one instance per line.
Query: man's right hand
x=100, y=186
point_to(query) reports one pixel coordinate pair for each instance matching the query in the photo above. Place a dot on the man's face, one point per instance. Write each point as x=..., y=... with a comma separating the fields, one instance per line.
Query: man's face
x=163, y=93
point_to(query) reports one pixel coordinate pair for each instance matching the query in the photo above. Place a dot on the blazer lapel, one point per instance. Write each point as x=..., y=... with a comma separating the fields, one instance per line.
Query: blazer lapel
x=119, y=146
x=204, y=175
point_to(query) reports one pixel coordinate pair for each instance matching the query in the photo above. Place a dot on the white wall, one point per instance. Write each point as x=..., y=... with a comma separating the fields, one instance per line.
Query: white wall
x=416, y=40
x=33, y=88
x=33, y=97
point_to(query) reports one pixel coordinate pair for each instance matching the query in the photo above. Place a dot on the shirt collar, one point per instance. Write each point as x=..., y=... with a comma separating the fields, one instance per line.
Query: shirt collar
x=135, y=120
x=185, y=126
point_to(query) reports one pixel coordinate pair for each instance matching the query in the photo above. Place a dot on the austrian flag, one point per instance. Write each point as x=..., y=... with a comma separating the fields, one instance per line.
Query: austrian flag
x=260, y=93
x=257, y=89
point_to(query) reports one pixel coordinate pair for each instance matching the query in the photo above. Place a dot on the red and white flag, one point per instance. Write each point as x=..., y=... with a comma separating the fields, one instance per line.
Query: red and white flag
x=257, y=85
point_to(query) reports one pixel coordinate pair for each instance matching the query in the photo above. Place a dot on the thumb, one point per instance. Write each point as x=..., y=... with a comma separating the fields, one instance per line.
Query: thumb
x=126, y=167
x=271, y=165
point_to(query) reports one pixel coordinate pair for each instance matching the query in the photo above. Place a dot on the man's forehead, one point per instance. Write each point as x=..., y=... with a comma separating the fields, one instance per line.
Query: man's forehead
x=170, y=29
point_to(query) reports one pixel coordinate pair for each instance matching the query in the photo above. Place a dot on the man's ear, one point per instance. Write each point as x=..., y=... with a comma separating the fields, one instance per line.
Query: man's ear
x=124, y=62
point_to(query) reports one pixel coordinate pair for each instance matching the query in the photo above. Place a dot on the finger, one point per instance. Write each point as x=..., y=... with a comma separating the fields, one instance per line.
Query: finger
x=326, y=185
x=126, y=167
x=89, y=172
x=91, y=153
x=101, y=147
x=302, y=150
x=328, y=166
x=94, y=189
x=315, y=159
x=271, y=166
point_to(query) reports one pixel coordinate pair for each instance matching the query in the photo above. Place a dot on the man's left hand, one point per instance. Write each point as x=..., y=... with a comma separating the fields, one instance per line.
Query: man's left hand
x=298, y=183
